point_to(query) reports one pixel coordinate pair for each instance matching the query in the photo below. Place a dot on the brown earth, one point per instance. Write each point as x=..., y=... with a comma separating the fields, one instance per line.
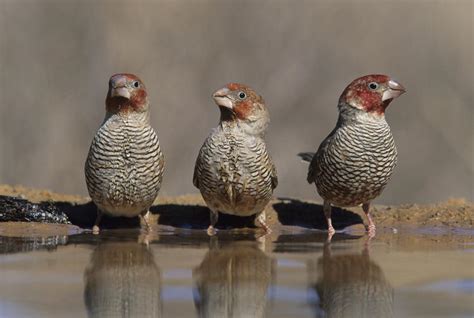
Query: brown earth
x=189, y=211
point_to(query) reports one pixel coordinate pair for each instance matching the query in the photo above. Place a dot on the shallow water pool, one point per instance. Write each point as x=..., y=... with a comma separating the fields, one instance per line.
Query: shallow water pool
x=289, y=273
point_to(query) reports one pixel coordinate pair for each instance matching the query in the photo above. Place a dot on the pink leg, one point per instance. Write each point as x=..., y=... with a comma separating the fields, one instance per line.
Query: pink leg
x=260, y=222
x=95, y=228
x=327, y=214
x=145, y=220
x=371, y=226
x=211, y=230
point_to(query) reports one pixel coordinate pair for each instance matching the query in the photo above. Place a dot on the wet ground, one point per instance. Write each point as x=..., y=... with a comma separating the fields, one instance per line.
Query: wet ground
x=293, y=272
x=189, y=211
x=420, y=264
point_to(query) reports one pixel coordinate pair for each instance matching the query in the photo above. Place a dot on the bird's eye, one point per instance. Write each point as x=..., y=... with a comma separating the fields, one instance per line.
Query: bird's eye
x=136, y=84
x=373, y=86
x=242, y=95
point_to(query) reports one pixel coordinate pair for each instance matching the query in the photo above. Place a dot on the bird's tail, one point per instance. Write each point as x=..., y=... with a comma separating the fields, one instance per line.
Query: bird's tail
x=306, y=156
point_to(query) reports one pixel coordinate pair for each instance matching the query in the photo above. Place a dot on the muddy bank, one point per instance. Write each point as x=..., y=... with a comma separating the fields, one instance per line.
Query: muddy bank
x=189, y=211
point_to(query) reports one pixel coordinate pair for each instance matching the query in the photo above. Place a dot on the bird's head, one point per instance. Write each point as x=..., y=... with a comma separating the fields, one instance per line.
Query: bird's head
x=126, y=94
x=371, y=93
x=238, y=102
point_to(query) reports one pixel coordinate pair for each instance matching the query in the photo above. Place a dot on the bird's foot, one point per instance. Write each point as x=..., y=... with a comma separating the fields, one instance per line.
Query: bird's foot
x=211, y=231
x=95, y=229
x=331, y=232
x=145, y=228
x=145, y=222
x=371, y=230
x=260, y=222
x=266, y=229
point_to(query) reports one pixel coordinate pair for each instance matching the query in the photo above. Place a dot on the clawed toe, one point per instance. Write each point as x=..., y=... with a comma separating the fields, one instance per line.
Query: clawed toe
x=331, y=232
x=260, y=223
x=371, y=230
x=95, y=229
x=266, y=229
x=211, y=231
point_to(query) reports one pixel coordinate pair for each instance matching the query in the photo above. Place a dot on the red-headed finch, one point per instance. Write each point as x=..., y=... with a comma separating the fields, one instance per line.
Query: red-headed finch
x=124, y=168
x=233, y=170
x=355, y=162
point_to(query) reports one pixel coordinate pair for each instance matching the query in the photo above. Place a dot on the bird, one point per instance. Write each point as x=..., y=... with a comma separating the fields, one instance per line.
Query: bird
x=354, y=163
x=233, y=170
x=124, y=166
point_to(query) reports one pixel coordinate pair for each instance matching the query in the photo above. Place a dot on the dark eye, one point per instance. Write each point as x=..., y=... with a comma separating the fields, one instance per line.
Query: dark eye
x=373, y=86
x=136, y=84
x=242, y=95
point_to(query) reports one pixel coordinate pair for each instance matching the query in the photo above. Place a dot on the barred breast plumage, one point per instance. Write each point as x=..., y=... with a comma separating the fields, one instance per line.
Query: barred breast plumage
x=124, y=168
x=355, y=162
x=233, y=171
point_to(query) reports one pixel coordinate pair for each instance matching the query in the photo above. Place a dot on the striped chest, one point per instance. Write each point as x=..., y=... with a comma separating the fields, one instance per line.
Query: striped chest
x=234, y=172
x=125, y=165
x=356, y=163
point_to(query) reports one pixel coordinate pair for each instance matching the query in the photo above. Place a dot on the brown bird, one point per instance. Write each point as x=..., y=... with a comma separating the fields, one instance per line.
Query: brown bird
x=124, y=168
x=355, y=162
x=233, y=170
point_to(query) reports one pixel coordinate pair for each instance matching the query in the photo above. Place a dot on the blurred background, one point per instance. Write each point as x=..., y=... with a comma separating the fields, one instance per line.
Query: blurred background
x=56, y=58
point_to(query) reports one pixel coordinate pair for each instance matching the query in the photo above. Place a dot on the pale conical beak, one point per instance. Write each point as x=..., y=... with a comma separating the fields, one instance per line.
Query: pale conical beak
x=394, y=90
x=120, y=91
x=221, y=99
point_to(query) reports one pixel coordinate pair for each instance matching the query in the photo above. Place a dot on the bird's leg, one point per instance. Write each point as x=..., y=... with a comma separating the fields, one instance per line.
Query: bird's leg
x=214, y=215
x=95, y=228
x=371, y=226
x=145, y=220
x=260, y=222
x=327, y=214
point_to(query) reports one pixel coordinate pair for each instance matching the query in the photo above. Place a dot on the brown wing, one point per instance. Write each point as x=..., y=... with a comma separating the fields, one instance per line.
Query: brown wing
x=274, y=175
x=196, y=174
x=313, y=169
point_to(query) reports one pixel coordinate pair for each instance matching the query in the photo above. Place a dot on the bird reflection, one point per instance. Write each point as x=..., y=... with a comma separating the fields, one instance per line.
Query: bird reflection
x=232, y=281
x=350, y=285
x=122, y=280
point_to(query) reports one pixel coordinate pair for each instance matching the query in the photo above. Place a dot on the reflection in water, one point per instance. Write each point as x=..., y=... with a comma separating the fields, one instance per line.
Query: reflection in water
x=350, y=285
x=10, y=245
x=122, y=280
x=232, y=281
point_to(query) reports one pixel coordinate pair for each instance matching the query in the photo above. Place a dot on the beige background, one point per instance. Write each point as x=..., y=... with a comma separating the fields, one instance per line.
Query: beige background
x=56, y=58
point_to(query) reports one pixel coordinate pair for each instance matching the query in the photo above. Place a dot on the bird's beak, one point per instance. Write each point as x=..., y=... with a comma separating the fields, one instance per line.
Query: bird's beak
x=394, y=89
x=120, y=91
x=221, y=98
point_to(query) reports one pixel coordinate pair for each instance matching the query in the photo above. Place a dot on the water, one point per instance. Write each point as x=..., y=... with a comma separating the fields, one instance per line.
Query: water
x=290, y=273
